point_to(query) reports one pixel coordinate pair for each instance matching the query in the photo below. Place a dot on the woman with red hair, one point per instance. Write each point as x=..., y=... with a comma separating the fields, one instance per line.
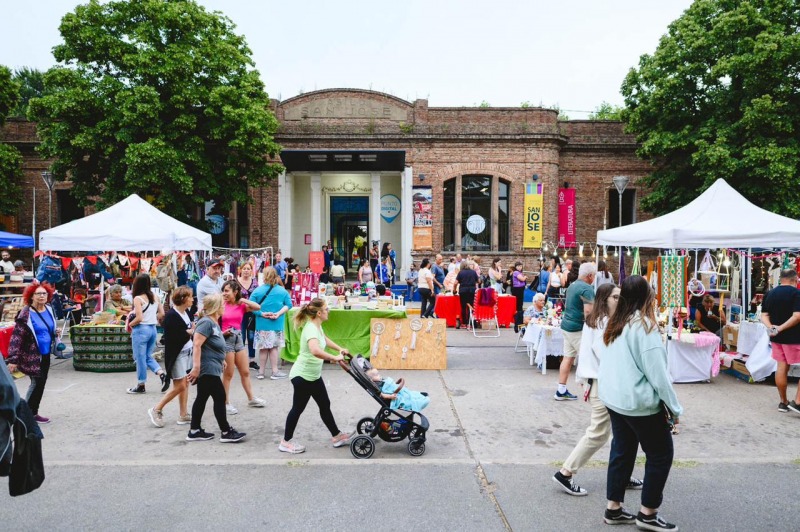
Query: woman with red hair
x=33, y=341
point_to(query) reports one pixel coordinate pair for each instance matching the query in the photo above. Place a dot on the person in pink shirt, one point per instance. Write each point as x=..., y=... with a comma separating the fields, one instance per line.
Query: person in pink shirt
x=235, y=352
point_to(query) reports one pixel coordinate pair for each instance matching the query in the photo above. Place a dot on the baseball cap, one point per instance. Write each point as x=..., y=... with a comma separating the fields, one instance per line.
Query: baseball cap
x=216, y=262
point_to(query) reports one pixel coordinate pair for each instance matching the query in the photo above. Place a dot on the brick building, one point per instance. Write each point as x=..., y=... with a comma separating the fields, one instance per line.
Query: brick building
x=356, y=161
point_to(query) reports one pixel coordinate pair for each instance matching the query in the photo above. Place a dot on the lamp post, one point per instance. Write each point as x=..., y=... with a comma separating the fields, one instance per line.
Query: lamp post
x=620, y=182
x=49, y=181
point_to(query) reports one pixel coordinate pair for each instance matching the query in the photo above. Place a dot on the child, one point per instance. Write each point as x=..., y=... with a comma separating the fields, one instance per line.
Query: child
x=402, y=398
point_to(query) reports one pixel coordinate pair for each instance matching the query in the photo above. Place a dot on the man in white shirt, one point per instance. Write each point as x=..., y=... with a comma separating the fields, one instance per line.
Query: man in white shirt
x=211, y=283
x=6, y=264
x=337, y=273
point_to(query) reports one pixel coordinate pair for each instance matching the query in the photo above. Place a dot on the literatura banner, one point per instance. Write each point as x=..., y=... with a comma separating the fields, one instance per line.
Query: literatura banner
x=532, y=236
x=566, y=217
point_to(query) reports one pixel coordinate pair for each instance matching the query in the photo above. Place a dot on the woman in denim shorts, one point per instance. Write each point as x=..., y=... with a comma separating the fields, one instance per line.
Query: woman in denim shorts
x=235, y=352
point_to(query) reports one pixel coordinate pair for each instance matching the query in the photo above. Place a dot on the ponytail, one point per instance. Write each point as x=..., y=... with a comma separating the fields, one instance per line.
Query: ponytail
x=309, y=311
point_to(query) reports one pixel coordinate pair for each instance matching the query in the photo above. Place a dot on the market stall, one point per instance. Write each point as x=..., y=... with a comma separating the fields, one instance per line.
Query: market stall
x=448, y=308
x=543, y=341
x=692, y=357
x=720, y=218
x=349, y=328
x=101, y=348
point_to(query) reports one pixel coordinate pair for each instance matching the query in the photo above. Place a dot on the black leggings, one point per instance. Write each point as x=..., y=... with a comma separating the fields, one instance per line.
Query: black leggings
x=303, y=391
x=36, y=389
x=210, y=386
x=428, y=302
x=519, y=293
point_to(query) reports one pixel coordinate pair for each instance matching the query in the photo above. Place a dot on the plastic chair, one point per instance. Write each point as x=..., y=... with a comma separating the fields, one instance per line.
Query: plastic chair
x=484, y=310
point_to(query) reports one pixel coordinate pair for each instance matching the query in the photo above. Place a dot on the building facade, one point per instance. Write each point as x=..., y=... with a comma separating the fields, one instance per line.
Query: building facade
x=364, y=166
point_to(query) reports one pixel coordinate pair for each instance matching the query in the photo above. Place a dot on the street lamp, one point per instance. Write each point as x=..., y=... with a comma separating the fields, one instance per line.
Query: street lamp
x=620, y=182
x=49, y=181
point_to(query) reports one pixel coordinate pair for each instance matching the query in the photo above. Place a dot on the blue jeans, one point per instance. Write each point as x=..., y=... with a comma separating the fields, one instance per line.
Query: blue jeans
x=143, y=339
x=656, y=441
x=248, y=337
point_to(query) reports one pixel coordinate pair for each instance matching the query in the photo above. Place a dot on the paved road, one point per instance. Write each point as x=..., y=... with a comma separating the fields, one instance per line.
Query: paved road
x=496, y=438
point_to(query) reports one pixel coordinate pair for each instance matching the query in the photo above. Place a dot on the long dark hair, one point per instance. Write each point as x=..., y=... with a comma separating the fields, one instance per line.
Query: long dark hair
x=142, y=286
x=385, y=250
x=635, y=295
x=235, y=287
x=600, y=308
x=424, y=264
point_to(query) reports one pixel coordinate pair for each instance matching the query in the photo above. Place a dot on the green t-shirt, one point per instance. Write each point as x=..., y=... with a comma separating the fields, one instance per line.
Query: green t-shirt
x=307, y=365
x=578, y=293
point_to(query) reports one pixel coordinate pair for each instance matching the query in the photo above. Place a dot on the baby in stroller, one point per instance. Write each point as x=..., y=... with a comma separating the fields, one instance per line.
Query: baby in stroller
x=402, y=398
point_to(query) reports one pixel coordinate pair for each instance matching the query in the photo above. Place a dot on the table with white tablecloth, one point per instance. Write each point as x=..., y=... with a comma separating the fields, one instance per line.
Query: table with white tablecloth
x=689, y=362
x=754, y=341
x=543, y=341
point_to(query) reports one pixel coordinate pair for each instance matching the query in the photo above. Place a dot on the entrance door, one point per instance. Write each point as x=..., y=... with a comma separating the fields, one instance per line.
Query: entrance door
x=349, y=228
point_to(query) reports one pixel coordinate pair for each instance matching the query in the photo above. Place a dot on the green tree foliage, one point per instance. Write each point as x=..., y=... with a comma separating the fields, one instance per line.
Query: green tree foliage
x=158, y=98
x=607, y=111
x=719, y=99
x=31, y=85
x=10, y=158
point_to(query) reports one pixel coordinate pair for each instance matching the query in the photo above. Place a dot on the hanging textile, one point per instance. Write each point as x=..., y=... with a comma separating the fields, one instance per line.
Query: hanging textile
x=636, y=269
x=673, y=280
x=621, y=268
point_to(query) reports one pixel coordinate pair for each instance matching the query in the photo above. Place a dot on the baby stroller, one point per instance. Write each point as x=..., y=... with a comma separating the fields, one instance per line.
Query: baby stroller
x=388, y=424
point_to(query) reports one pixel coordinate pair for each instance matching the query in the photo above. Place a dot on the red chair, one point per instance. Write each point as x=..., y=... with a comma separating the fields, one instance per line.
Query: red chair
x=484, y=310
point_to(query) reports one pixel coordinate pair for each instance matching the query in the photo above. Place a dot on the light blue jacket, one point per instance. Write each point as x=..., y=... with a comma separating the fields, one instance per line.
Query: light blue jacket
x=633, y=376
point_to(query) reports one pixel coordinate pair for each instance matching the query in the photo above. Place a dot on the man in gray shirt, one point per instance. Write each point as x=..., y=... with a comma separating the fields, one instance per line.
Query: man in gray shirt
x=211, y=283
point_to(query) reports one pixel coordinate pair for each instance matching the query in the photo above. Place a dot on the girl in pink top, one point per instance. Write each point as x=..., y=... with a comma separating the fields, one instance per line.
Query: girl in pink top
x=235, y=352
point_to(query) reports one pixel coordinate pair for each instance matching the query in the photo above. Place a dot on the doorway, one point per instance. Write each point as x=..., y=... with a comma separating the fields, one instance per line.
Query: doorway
x=350, y=230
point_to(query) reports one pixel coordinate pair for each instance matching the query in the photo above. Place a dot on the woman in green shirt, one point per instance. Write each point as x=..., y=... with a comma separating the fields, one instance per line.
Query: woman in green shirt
x=306, y=375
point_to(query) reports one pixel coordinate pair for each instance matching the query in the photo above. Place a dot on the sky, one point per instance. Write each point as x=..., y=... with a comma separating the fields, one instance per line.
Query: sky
x=573, y=54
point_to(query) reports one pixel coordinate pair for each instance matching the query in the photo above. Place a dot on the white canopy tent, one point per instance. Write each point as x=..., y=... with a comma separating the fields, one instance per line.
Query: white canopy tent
x=130, y=225
x=719, y=218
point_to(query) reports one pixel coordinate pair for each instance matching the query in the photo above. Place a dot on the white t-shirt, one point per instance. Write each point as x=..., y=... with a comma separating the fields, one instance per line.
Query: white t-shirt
x=207, y=286
x=149, y=311
x=422, y=279
x=7, y=265
x=185, y=317
x=601, y=279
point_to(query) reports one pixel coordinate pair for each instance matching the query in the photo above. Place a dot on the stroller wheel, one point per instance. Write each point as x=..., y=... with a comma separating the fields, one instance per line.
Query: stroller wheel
x=365, y=425
x=416, y=433
x=416, y=447
x=362, y=447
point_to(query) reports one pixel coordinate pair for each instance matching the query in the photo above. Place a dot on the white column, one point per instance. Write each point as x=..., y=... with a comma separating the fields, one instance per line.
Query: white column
x=406, y=216
x=316, y=212
x=285, y=200
x=375, y=208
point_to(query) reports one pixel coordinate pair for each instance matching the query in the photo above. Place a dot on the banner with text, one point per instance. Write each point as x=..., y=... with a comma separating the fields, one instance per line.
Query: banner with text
x=566, y=217
x=532, y=235
x=422, y=206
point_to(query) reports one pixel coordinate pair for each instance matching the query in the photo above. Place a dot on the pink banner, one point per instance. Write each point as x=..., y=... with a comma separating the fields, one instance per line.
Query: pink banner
x=566, y=217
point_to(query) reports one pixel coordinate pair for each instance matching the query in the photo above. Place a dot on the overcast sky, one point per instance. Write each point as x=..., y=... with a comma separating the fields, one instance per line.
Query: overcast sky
x=570, y=53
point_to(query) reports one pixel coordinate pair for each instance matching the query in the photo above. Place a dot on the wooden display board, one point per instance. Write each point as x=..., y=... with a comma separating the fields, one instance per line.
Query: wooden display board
x=394, y=344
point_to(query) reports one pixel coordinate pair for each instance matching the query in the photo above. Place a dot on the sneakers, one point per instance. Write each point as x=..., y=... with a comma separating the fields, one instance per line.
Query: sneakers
x=291, y=447
x=200, y=435
x=341, y=439
x=184, y=420
x=156, y=417
x=231, y=410
x=232, y=436
x=566, y=396
x=138, y=389
x=794, y=406
x=41, y=420
x=568, y=485
x=164, y=382
x=254, y=365
x=260, y=376
x=653, y=522
x=278, y=375
x=618, y=517
x=634, y=484
x=257, y=402
x=783, y=407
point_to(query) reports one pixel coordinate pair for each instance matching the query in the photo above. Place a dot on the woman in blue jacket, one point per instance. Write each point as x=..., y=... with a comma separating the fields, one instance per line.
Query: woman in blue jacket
x=275, y=303
x=636, y=388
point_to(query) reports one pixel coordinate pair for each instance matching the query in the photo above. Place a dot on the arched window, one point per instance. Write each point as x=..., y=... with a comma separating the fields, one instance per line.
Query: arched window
x=475, y=214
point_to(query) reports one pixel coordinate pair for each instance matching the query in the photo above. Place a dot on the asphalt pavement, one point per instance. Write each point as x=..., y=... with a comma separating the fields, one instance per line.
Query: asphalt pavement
x=496, y=438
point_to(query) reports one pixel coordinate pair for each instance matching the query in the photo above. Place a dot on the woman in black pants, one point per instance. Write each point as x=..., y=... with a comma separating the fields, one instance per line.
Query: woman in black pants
x=208, y=359
x=466, y=283
x=306, y=375
x=425, y=289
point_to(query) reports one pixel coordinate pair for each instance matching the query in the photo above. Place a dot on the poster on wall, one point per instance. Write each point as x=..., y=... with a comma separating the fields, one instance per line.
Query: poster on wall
x=422, y=200
x=566, y=217
x=532, y=234
x=423, y=238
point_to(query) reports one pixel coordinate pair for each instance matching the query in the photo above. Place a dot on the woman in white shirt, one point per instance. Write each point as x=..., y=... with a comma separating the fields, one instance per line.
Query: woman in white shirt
x=554, y=284
x=496, y=275
x=147, y=312
x=425, y=288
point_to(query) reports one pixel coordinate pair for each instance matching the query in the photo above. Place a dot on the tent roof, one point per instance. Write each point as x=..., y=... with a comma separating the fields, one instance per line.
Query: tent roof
x=719, y=218
x=15, y=240
x=130, y=225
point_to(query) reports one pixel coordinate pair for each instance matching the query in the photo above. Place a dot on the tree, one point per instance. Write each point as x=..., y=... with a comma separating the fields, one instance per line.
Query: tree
x=719, y=99
x=31, y=85
x=10, y=158
x=159, y=98
x=607, y=111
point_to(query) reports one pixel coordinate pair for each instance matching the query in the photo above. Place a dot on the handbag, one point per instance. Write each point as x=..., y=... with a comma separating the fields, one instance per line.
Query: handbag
x=131, y=316
x=251, y=318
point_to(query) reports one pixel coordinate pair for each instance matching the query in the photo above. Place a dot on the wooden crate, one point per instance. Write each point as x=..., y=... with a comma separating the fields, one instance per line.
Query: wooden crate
x=398, y=349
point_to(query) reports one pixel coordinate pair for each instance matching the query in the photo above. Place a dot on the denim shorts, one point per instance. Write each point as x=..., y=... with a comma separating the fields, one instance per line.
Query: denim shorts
x=233, y=342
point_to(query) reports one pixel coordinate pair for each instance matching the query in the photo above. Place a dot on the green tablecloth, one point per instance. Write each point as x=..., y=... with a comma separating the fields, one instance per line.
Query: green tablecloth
x=348, y=328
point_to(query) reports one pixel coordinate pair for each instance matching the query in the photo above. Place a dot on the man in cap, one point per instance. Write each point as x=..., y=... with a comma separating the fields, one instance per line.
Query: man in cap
x=211, y=283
